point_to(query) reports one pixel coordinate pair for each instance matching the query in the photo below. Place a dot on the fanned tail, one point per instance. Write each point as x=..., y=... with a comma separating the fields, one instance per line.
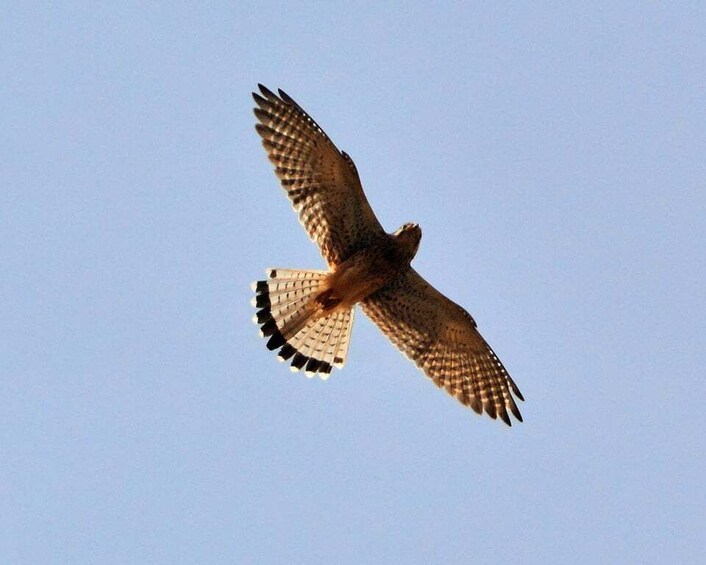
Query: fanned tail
x=291, y=317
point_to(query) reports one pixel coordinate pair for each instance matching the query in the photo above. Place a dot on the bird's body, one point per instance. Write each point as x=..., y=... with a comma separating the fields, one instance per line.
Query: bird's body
x=308, y=315
x=375, y=265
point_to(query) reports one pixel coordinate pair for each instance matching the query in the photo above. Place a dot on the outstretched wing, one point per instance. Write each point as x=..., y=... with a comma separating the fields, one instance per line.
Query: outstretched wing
x=442, y=339
x=321, y=181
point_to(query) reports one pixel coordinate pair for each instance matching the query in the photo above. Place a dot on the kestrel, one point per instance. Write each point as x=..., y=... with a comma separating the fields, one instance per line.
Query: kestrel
x=308, y=315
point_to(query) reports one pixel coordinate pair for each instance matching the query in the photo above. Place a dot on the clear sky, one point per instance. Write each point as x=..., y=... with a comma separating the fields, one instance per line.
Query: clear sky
x=554, y=155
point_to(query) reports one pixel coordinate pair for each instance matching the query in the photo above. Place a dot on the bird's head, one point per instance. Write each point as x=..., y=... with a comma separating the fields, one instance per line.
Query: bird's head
x=408, y=237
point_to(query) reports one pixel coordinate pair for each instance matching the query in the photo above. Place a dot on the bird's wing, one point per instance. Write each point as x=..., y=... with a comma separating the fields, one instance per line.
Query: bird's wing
x=442, y=339
x=321, y=181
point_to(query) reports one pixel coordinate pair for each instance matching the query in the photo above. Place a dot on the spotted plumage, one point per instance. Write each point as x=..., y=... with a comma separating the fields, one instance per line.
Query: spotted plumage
x=308, y=315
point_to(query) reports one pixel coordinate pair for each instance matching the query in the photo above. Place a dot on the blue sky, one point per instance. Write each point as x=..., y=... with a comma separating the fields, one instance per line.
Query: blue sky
x=553, y=154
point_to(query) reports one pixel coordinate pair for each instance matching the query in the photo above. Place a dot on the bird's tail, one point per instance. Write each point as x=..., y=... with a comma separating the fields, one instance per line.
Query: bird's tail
x=291, y=316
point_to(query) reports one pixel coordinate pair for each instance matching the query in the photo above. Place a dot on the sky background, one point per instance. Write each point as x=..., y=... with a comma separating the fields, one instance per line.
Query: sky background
x=554, y=155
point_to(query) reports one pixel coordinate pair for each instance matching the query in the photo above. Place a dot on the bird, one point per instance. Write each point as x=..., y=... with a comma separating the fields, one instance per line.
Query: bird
x=307, y=315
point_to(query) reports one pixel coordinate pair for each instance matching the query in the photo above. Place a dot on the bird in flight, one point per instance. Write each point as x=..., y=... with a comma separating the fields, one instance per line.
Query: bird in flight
x=308, y=315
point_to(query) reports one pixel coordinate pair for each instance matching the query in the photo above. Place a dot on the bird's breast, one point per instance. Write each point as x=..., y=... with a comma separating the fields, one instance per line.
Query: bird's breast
x=366, y=271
